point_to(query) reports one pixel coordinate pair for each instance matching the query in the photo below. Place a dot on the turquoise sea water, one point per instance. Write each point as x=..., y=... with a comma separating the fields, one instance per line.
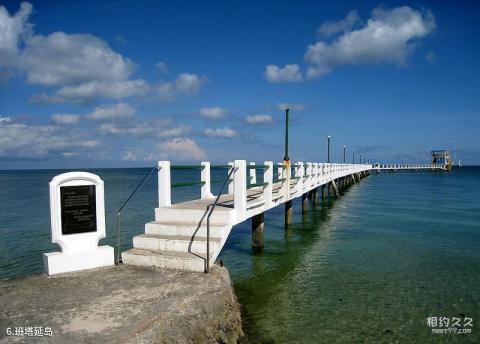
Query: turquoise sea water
x=370, y=267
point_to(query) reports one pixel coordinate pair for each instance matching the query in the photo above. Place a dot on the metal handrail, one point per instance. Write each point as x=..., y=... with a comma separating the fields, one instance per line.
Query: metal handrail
x=187, y=167
x=210, y=209
x=216, y=181
x=258, y=167
x=221, y=166
x=182, y=184
x=119, y=212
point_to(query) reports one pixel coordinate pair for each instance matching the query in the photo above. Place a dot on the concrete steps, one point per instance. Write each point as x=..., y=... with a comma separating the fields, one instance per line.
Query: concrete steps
x=178, y=243
x=183, y=228
x=177, y=239
x=221, y=216
x=164, y=259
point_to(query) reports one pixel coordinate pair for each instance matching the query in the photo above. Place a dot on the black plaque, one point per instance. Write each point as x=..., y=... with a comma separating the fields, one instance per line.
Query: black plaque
x=79, y=211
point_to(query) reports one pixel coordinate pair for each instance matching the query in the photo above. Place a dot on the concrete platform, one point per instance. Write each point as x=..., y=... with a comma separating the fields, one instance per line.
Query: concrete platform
x=124, y=304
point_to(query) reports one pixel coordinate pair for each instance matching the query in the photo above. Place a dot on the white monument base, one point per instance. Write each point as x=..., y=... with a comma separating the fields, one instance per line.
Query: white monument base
x=58, y=262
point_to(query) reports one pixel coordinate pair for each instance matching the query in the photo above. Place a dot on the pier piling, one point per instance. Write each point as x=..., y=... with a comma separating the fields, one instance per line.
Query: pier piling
x=304, y=203
x=288, y=212
x=314, y=195
x=335, y=189
x=258, y=229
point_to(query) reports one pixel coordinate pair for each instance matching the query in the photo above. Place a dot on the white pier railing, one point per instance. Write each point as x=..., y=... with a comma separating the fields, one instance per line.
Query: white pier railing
x=280, y=183
x=395, y=167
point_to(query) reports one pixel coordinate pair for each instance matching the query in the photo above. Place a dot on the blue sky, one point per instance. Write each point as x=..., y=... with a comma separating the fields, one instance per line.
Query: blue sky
x=127, y=83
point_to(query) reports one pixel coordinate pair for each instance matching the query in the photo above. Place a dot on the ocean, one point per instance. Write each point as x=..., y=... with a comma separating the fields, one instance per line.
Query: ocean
x=379, y=264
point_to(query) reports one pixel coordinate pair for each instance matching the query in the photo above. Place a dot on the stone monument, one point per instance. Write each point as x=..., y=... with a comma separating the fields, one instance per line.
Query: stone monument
x=77, y=210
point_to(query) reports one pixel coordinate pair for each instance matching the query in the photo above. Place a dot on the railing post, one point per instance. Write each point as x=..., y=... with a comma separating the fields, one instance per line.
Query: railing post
x=240, y=189
x=287, y=175
x=253, y=174
x=299, y=173
x=322, y=173
x=205, y=177
x=268, y=178
x=164, y=189
x=308, y=180
x=315, y=174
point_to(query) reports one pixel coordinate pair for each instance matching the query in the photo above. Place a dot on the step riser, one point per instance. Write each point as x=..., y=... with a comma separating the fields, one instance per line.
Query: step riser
x=192, y=216
x=164, y=262
x=159, y=229
x=173, y=245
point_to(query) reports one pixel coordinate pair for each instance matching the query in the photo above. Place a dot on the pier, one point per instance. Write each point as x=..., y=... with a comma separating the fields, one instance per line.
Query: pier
x=441, y=161
x=190, y=235
x=410, y=167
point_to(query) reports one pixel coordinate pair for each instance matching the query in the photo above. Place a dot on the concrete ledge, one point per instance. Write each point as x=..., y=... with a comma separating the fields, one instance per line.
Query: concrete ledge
x=123, y=304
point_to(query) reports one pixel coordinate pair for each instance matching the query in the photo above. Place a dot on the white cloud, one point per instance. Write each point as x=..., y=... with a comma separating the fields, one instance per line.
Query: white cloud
x=81, y=67
x=386, y=38
x=331, y=28
x=13, y=28
x=177, y=131
x=215, y=112
x=151, y=157
x=181, y=149
x=96, y=89
x=291, y=106
x=129, y=156
x=257, y=119
x=34, y=141
x=65, y=118
x=220, y=132
x=62, y=59
x=389, y=36
x=184, y=84
x=111, y=112
x=4, y=119
x=152, y=129
x=161, y=67
x=290, y=72
x=314, y=72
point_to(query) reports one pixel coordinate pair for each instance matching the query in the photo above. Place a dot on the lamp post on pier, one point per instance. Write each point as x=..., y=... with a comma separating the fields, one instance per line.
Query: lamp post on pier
x=328, y=149
x=353, y=158
x=286, y=158
x=344, y=153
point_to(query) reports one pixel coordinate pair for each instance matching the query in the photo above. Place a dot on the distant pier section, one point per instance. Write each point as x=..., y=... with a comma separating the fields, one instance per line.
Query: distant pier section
x=441, y=161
